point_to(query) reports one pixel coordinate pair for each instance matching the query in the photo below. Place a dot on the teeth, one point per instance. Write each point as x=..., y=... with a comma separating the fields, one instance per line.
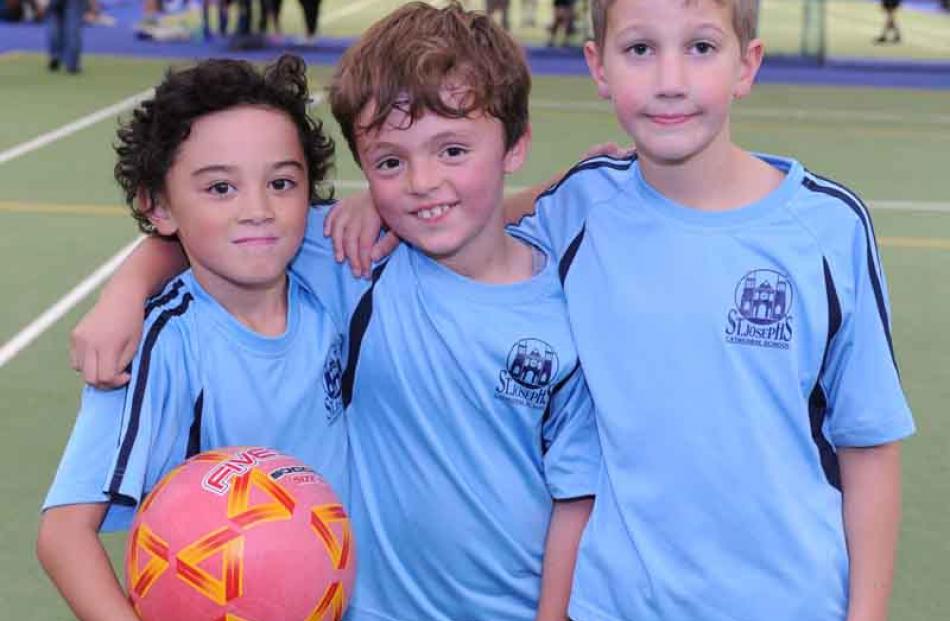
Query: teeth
x=434, y=212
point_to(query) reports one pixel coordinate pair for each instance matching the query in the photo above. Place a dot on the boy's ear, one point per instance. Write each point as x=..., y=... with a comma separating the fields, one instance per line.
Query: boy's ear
x=155, y=209
x=596, y=67
x=750, y=63
x=518, y=153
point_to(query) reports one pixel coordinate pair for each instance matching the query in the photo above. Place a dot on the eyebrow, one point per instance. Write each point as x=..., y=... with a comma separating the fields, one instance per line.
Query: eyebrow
x=224, y=168
x=639, y=29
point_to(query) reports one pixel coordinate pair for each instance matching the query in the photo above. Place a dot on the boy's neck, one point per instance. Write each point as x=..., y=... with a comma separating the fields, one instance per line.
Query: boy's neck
x=496, y=258
x=720, y=180
x=262, y=310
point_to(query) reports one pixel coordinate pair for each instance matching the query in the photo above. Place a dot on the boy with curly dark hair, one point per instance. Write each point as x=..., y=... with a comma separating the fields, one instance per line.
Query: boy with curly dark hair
x=226, y=159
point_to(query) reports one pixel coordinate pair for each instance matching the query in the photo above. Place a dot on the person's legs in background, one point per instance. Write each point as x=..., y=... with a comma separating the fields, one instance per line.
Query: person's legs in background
x=311, y=16
x=65, y=34
x=890, y=22
x=529, y=13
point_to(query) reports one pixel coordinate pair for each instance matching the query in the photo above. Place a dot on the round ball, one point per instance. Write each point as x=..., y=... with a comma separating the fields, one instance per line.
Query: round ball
x=243, y=534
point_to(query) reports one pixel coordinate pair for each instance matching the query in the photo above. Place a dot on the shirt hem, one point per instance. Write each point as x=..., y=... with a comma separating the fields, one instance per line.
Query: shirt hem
x=356, y=614
x=579, y=611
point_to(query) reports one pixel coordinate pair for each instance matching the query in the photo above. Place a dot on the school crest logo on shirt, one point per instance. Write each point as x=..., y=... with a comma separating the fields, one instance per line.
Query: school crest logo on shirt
x=531, y=366
x=333, y=379
x=762, y=313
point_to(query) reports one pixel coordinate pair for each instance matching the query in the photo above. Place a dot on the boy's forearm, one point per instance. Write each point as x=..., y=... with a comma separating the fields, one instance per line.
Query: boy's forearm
x=870, y=479
x=69, y=549
x=568, y=520
x=143, y=273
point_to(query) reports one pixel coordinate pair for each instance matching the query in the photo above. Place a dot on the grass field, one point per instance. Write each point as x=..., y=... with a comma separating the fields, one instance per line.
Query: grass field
x=61, y=218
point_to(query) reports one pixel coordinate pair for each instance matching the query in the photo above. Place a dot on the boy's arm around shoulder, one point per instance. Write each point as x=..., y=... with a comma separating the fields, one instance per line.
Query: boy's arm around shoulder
x=105, y=339
x=338, y=287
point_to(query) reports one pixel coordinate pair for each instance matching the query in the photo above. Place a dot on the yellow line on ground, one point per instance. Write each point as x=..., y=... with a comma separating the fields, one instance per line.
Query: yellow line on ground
x=926, y=243
x=90, y=210
x=11, y=55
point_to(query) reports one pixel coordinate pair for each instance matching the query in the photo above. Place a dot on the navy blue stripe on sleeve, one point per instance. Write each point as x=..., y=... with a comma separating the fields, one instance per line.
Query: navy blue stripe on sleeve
x=358, y=324
x=164, y=298
x=817, y=401
x=849, y=199
x=564, y=265
x=139, y=394
x=557, y=389
x=589, y=164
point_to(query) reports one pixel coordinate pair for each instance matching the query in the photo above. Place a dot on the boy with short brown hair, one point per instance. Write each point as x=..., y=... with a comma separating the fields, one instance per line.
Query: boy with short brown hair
x=731, y=314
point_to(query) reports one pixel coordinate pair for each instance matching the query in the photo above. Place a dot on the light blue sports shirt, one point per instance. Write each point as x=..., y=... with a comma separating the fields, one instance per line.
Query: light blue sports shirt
x=468, y=416
x=729, y=355
x=201, y=380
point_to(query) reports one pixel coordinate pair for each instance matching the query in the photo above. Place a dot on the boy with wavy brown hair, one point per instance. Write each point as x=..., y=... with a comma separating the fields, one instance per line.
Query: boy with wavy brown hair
x=473, y=453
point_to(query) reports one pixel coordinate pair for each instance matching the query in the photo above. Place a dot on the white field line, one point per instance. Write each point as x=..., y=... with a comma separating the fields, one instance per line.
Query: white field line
x=39, y=325
x=53, y=314
x=71, y=128
x=798, y=114
x=910, y=206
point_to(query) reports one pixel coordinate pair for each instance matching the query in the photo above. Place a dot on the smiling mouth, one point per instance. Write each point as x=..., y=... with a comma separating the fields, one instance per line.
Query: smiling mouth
x=433, y=213
x=670, y=119
x=262, y=240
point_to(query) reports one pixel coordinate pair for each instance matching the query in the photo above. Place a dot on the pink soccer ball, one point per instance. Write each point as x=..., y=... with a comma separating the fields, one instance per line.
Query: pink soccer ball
x=240, y=534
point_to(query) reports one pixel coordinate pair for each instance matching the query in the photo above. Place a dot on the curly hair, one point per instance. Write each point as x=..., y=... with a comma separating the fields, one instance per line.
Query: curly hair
x=409, y=55
x=147, y=143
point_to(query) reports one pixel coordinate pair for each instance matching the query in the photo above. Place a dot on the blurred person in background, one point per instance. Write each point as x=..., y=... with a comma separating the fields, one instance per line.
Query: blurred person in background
x=498, y=6
x=890, y=22
x=21, y=11
x=64, y=29
x=311, y=17
x=563, y=20
x=529, y=13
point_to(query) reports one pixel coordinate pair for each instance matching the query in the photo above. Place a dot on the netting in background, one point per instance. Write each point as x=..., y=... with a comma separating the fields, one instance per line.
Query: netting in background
x=847, y=29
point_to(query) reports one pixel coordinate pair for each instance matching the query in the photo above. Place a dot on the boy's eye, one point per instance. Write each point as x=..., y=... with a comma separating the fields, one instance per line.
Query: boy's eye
x=455, y=151
x=220, y=188
x=703, y=48
x=638, y=49
x=282, y=185
x=389, y=163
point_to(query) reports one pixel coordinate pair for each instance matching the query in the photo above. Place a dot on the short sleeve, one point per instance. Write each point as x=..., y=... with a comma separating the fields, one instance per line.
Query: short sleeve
x=84, y=467
x=124, y=441
x=155, y=421
x=866, y=404
x=561, y=210
x=572, y=458
x=331, y=282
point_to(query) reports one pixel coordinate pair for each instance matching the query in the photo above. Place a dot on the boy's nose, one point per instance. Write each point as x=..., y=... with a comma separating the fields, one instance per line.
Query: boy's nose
x=423, y=177
x=671, y=77
x=257, y=208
